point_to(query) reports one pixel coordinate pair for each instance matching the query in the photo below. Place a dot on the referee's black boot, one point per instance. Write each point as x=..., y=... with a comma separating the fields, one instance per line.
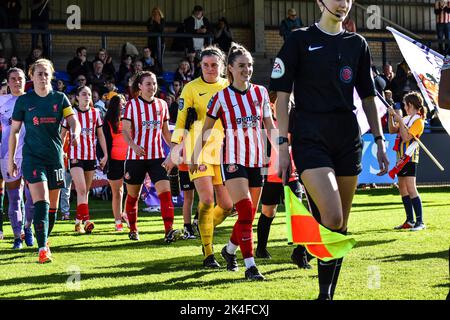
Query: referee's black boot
x=301, y=257
x=262, y=253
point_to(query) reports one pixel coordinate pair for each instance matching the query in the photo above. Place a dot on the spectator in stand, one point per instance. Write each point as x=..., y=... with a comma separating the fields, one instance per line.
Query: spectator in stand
x=80, y=81
x=79, y=64
x=108, y=65
x=3, y=91
x=60, y=86
x=98, y=103
x=3, y=69
x=149, y=62
x=289, y=24
x=138, y=66
x=98, y=78
x=223, y=35
x=403, y=83
x=194, y=64
x=388, y=75
x=13, y=8
x=183, y=72
x=380, y=84
x=175, y=88
x=40, y=17
x=34, y=56
x=349, y=25
x=110, y=85
x=442, y=11
x=125, y=70
x=156, y=23
x=14, y=62
x=197, y=24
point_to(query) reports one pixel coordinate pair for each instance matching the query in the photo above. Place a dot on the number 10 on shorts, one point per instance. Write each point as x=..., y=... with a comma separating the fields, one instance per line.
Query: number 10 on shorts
x=59, y=174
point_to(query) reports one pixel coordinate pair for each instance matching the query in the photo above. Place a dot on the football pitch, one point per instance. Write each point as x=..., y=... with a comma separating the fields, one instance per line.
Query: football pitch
x=385, y=264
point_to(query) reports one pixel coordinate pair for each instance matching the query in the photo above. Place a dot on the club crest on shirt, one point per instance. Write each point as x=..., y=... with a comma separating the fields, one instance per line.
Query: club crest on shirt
x=232, y=168
x=181, y=104
x=202, y=167
x=278, y=69
x=346, y=74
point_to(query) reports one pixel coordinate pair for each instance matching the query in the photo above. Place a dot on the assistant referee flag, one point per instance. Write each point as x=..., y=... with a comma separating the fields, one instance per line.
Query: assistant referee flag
x=303, y=229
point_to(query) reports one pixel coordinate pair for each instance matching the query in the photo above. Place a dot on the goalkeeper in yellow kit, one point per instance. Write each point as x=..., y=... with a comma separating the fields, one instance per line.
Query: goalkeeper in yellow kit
x=193, y=105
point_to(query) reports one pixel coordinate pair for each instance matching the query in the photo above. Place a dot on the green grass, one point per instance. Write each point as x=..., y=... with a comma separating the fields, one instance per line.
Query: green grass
x=409, y=265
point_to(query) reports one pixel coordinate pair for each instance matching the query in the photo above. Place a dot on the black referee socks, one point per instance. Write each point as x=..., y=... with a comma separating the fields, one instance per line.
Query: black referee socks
x=263, y=230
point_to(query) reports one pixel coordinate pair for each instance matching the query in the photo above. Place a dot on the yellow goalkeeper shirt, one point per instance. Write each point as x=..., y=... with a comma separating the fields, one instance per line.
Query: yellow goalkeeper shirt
x=197, y=94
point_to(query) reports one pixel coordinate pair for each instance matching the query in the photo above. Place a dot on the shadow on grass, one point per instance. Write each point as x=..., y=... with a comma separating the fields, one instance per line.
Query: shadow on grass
x=360, y=244
x=419, y=256
x=185, y=282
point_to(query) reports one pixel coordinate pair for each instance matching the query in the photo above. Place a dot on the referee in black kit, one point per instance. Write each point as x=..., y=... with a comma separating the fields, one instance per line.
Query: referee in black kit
x=324, y=64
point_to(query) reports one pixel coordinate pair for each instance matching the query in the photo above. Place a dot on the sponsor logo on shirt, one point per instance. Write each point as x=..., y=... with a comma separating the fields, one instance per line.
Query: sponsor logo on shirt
x=346, y=74
x=36, y=121
x=55, y=108
x=151, y=124
x=247, y=122
x=278, y=69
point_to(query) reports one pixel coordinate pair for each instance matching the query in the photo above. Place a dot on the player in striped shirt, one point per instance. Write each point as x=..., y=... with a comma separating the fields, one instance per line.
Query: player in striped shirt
x=14, y=186
x=415, y=124
x=243, y=108
x=145, y=124
x=41, y=111
x=82, y=157
x=442, y=11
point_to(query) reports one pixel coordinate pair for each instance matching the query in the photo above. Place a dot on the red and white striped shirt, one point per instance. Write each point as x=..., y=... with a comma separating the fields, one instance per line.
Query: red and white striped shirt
x=147, y=119
x=90, y=121
x=443, y=16
x=242, y=116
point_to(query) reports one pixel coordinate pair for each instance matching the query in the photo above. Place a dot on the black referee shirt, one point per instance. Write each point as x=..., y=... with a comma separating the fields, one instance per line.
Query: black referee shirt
x=323, y=69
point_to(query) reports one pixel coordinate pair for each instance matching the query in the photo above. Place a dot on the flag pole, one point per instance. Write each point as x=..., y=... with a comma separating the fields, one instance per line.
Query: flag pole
x=436, y=162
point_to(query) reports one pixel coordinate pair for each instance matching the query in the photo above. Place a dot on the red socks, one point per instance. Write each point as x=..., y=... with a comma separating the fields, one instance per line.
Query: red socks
x=167, y=210
x=242, y=230
x=131, y=208
x=82, y=212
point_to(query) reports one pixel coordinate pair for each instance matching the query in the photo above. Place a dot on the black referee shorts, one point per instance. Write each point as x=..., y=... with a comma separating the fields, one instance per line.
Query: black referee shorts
x=273, y=192
x=135, y=171
x=327, y=140
x=409, y=170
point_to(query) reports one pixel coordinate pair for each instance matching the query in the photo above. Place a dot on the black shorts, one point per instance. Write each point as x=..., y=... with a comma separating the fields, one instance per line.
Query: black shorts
x=116, y=169
x=409, y=170
x=327, y=140
x=86, y=165
x=185, y=182
x=135, y=171
x=273, y=192
x=253, y=175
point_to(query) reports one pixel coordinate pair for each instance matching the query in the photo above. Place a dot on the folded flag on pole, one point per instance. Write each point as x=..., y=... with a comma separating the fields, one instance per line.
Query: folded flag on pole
x=303, y=229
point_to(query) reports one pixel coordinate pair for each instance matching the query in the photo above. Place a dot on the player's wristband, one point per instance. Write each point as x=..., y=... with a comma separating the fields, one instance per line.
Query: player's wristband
x=379, y=138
